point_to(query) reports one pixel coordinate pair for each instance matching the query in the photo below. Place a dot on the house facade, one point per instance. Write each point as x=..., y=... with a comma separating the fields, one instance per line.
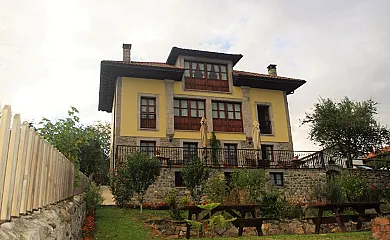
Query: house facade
x=157, y=104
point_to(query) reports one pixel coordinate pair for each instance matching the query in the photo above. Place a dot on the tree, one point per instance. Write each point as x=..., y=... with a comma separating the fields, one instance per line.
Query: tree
x=194, y=176
x=143, y=171
x=348, y=127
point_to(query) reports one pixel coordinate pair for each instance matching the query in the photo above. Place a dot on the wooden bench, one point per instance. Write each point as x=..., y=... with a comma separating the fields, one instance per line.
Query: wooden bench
x=240, y=223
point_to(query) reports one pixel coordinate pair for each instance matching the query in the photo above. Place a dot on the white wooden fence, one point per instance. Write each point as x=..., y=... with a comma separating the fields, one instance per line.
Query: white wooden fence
x=33, y=173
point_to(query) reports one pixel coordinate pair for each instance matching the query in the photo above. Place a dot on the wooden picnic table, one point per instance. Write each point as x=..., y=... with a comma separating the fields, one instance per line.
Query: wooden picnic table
x=337, y=209
x=236, y=211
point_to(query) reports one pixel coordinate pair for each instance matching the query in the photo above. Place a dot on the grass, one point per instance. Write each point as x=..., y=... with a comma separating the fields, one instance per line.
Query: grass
x=115, y=223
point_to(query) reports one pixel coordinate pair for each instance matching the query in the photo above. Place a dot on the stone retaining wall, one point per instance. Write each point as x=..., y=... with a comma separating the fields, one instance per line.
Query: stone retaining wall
x=61, y=221
x=298, y=183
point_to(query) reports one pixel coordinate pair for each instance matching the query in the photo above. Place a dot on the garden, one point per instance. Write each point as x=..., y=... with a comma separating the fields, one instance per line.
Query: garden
x=210, y=191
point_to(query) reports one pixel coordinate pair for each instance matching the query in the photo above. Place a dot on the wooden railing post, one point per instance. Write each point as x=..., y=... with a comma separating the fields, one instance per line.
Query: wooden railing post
x=5, y=125
x=27, y=171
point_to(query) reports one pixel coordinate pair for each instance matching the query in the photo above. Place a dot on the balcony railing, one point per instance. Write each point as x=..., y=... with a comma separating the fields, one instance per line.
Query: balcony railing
x=148, y=120
x=223, y=158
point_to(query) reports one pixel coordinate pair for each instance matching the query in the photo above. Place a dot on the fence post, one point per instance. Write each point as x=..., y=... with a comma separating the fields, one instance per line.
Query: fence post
x=12, y=159
x=38, y=173
x=27, y=171
x=33, y=172
x=5, y=125
x=21, y=164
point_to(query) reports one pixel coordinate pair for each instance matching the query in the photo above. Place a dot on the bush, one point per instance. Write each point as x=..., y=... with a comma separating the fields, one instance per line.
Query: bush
x=330, y=191
x=121, y=187
x=171, y=200
x=194, y=176
x=249, y=182
x=272, y=202
x=216, y=188
x=93, y=197
x=353, y=187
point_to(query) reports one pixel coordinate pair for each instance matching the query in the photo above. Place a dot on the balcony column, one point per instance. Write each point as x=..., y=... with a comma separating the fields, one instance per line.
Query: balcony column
x=246, y=111
x=170, y=129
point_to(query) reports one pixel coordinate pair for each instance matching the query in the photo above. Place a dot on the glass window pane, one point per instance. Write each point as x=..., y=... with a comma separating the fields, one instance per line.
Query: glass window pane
x=176, y=112
x=215, y=114
x=238, y=115
x=143, y=101
x=184, y=103
x=214, y=106
x=223, y=68
x=194, y=66
x=224, y=76
x=187, y=73
x=222, y=114
x=216, y=68
x=151, y=102
x=209, y=67
x=176, y=103
x=237, y=107
x=230, y=115
x=184, y=113
x=230, y=107
x=201, y=66
x=193, y=104
x=186, y=65
x=193, y=112
x=201, y=105
x=151, y=109
x=221, y=106
x=143, y=108
x=201, y=113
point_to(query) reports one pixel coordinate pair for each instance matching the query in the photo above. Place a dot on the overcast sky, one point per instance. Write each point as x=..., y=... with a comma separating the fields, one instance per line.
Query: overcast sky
x=50, y=51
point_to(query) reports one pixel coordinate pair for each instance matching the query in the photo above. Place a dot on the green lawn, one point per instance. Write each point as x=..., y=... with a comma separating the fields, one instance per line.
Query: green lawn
x=115, y=223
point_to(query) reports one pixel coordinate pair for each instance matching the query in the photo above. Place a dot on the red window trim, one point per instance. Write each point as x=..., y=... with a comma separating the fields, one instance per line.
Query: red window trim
x=225, y=124
x=148, y=123
x=188, y=122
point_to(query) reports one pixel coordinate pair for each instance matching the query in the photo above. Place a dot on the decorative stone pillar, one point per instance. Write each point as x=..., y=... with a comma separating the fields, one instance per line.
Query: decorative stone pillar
x=209, y=115
x=170, y=129
x=246, y=111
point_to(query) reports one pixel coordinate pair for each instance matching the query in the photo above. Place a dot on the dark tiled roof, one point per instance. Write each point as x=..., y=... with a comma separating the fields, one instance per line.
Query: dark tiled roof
x=176, y=52
x=252, y=74
x=148, y=64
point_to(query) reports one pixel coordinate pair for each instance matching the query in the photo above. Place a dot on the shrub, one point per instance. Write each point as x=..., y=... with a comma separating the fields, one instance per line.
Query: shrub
x=171, y=200
x=142, y=172
x=121, y=187
x=194, y=176
x=251, y=181
x=330, y=191
x=272, y=202
x=353, y=187
x=93, y=197
x=216, y=188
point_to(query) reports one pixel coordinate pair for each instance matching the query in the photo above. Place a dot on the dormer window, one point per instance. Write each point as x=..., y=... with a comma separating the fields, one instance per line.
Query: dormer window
x=206, y=76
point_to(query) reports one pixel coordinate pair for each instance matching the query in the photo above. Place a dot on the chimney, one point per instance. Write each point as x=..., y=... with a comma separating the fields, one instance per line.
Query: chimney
x=272, y=70
x=126, y=52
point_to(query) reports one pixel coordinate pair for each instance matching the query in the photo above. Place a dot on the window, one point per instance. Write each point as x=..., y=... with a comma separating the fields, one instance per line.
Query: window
x=228, y=178
x=148, y=147
x=179, y=180
x=206, y=76
x=188, y=113
x=190, y=150
x=263, y=115
x=276, y=178
x=148, y=112
x=230, y=152
x=227, y=117
x=267, y=152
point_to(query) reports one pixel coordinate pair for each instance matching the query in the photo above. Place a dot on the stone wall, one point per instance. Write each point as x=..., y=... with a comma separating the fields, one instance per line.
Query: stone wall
x=61, y=221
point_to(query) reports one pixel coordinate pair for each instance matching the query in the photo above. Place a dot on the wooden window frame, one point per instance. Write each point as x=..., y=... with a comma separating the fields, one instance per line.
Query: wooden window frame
x=188, y=122
x=150, y=147
x=229, y=158
x=179, y=179
x=265, y=152
x=204, y=83
x=190, y=150
x=224, y=124
x=265, y=125
x=148, y=123
x=274, y=178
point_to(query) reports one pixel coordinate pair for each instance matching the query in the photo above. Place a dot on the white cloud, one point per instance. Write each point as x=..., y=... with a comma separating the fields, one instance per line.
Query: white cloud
x=50, y=50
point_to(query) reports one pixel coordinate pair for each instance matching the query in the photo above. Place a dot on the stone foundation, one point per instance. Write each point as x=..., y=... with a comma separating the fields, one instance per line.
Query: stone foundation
x=60, y=221
x=177, y=229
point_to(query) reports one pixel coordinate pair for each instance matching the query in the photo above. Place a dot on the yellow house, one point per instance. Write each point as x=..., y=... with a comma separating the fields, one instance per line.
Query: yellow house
x=157, y=108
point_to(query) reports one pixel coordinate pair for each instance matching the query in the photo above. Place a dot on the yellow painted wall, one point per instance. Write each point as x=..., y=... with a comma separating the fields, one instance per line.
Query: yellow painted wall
x=131, y=87
x=220, y=136
x=178, y=89
x=276, y=99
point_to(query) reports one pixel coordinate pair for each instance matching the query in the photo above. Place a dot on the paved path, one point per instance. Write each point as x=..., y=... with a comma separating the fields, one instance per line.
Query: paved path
x=106, y=193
